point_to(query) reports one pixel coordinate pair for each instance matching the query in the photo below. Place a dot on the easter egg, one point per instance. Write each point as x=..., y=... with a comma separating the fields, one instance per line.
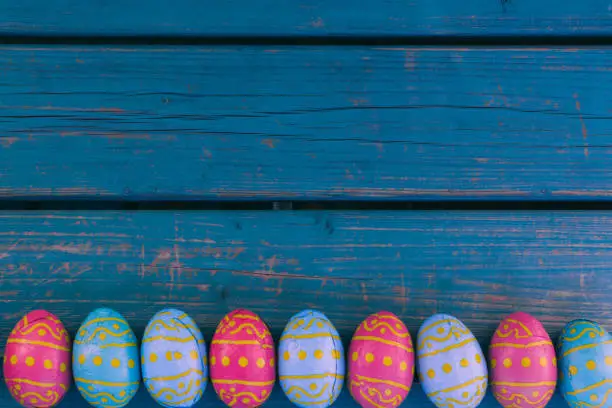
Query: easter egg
x=381, y=362
x=242, y=365
x=173, y=355
x=523, y=363
x=37, y=360
x=452, y=368
x=105, y=359
x=585, y=364
x=311, y=360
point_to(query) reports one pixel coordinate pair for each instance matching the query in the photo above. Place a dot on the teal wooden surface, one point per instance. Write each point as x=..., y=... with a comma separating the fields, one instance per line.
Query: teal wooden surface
x=243, y=123
x=480, y=266
x=307, y=18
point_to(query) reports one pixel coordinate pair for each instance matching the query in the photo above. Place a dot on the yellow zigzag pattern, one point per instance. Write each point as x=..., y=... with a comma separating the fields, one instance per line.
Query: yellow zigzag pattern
x=308, y=323
x=103, y=319
x=584, y=332
x=453, y=331
x=378, y=324
x=519, y=397
x=100, y=395
x=105, y=330
x=296, y=388
x=251, y=326
x=30, y=329
x=234, y=397
x=158, y=322
x=515, y=330
x=173, y=392
x=51, y=399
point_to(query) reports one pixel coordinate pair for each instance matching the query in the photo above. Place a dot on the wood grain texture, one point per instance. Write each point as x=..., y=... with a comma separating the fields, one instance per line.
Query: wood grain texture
x=307, y=17
x=480, y=266
x=305, y=123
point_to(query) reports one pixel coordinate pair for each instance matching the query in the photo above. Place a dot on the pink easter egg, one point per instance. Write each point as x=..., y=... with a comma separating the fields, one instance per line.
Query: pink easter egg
x=37, y=366
x=381, y=362
x=242, y=365
x=523, y=363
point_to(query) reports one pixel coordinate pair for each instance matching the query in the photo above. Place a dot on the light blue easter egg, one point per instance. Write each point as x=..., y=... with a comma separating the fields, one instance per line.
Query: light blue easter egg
x=585, y=364
x=452, y=368
x=174, y=363
x=105, y=360
x=311, y=363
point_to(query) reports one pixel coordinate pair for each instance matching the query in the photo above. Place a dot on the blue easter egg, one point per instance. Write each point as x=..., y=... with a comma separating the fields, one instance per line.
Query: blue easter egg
x=105, y=359
x=585, y=364
x=452, y=368
x=311, y=363
x=174, y=366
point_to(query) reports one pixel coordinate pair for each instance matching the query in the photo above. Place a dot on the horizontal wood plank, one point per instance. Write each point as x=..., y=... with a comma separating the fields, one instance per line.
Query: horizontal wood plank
x=480, y=266
x=306, y=18
x=305, y=123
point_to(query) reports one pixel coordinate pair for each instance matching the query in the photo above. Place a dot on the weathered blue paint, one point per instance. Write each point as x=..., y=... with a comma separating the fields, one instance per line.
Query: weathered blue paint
x=307, y=17
x=305, y=123
x=479, y=266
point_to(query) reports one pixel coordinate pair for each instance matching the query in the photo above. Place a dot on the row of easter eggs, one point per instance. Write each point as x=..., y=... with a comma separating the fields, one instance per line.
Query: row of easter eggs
x=107, y=366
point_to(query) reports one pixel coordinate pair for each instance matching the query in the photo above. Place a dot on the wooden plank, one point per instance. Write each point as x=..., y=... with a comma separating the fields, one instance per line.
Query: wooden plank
x=478, y=265
x=307, y=18
x=305, y=123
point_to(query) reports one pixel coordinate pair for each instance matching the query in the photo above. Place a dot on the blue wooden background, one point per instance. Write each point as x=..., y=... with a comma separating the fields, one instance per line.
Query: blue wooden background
x=478, y=265
x=105, y=102
x=260, y=122
x=383, y=18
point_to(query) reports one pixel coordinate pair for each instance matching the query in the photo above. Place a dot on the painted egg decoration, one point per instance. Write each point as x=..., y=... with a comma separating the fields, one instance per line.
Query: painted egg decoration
x=381, y=362
x=174, y=362
x=37, y=360
x=523, y=363
x=311, y=363
x=242, y=360
x=451, y=366
x=105, y=359
x=585, y=364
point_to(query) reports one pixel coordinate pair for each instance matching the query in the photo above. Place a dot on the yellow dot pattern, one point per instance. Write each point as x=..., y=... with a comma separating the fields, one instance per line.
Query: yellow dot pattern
x=30, y=361
x=447, y=368
x=369, y=357
x=591, y=365
x=387, y=361
x=526, y=362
